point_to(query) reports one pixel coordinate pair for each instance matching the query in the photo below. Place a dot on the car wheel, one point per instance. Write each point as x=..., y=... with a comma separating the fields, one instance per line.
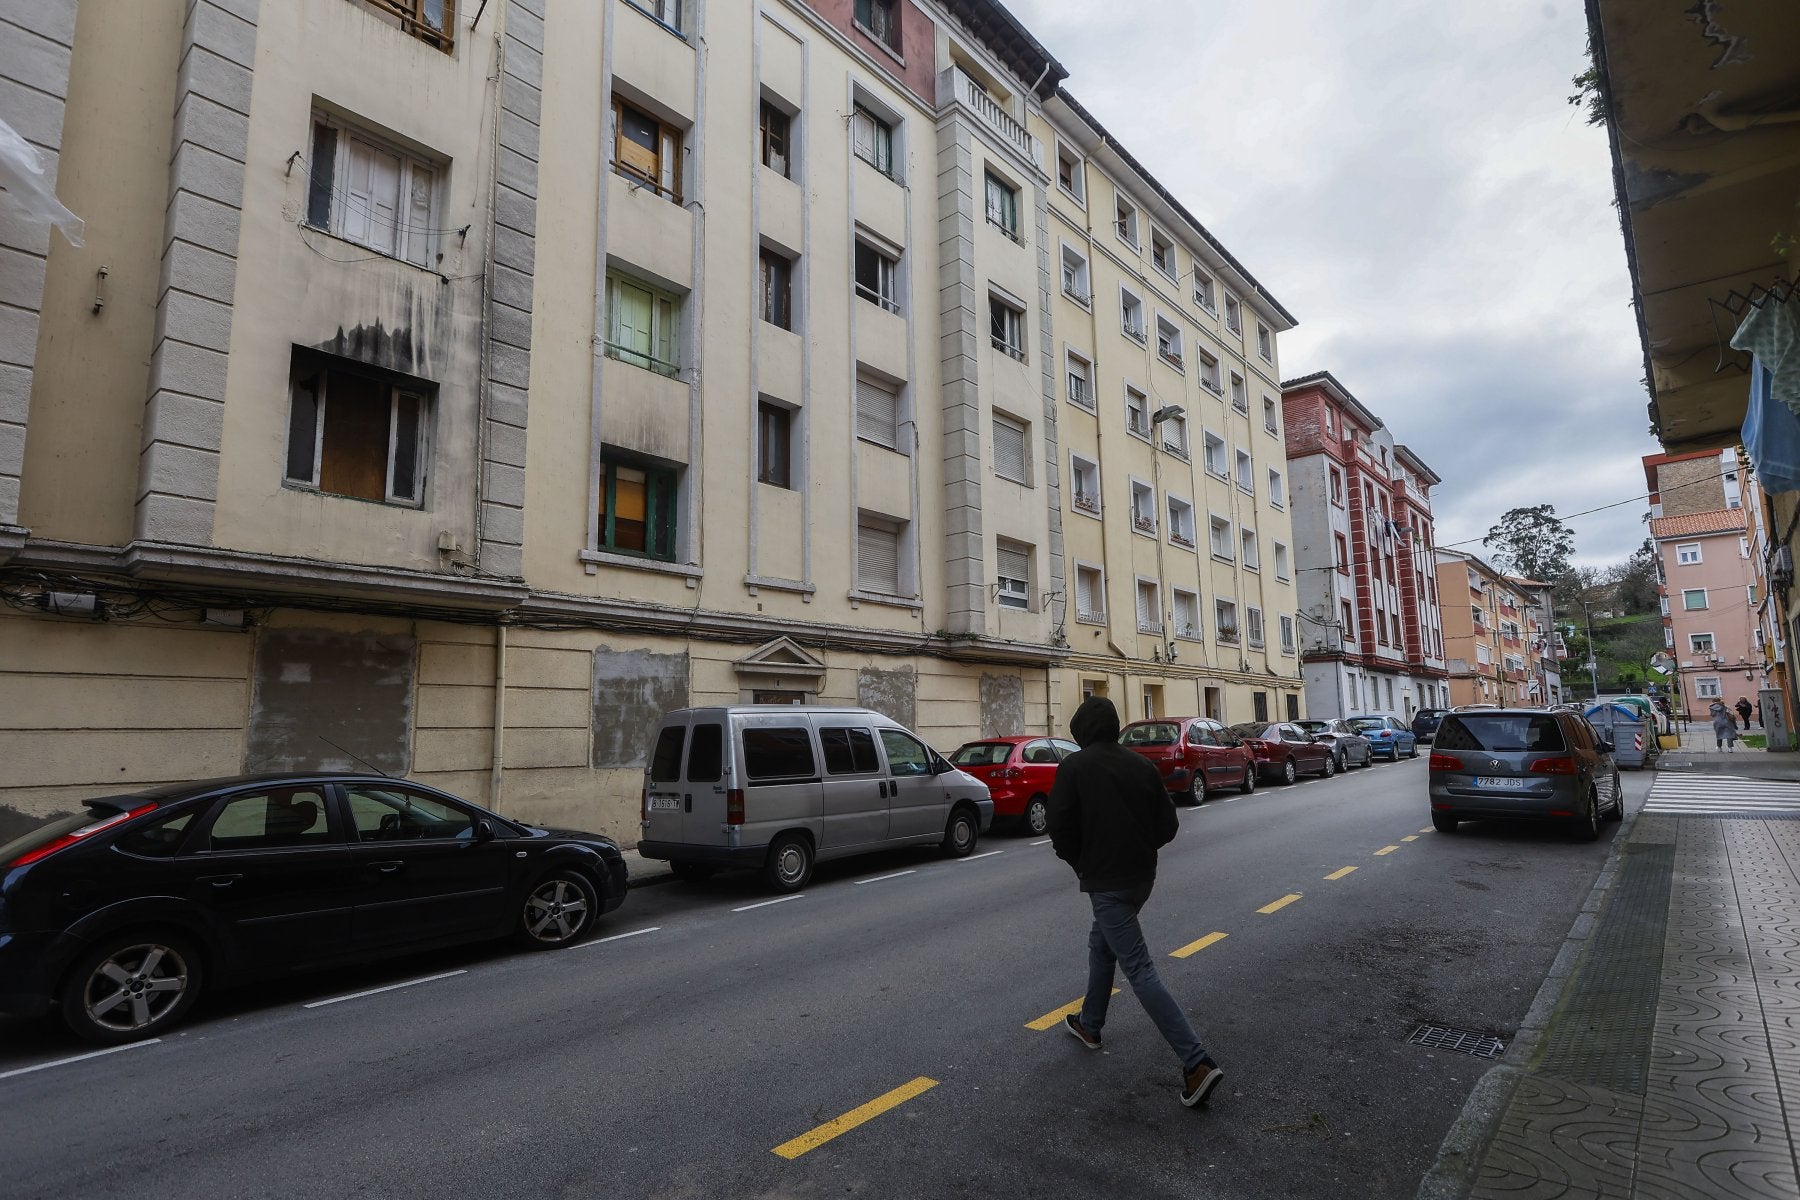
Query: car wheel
x=790, y=863
x=1414, y=752
x=1443, y=822
x=1196, y=791
x=961, y=833
x=1288, y=772
x=1340, y=763
x=1036, y=818
x=131, y=986
x=558, y=910
x=1249, y=783
x=693, y=872
x=1330, y=768
x=1587, y=821
x=1617, y=811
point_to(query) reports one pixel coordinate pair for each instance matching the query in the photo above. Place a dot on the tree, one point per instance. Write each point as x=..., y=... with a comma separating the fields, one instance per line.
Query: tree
x=1634, y=580
x=1532, y=542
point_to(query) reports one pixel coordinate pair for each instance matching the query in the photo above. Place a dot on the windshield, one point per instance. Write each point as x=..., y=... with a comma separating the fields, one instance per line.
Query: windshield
x=1315, y=726
x=1366, y=724
x=1252, y=729
x=1499, y=733
x=982, y=754
x=1153, y=733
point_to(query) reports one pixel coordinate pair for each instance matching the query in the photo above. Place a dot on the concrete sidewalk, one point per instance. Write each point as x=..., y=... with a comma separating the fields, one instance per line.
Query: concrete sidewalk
x=1699, y=752
x=1662, y=1055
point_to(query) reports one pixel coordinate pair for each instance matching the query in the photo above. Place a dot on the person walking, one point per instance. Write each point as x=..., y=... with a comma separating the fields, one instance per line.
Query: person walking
x=1109, y=814
x=1743, y=708
x=1724, y=725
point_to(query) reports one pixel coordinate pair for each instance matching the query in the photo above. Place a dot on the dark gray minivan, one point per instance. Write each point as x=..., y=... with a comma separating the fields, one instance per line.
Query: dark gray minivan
x=782, y=787
x=1523, y=763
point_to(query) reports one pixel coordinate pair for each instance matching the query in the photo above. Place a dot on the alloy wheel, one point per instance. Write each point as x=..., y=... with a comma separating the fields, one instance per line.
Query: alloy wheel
x=133, y=988
x=556, y=911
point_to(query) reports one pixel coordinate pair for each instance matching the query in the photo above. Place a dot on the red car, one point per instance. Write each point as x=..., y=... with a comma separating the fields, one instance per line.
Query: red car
x=1018, y=772
x=1284, y=750
x=1194, y=755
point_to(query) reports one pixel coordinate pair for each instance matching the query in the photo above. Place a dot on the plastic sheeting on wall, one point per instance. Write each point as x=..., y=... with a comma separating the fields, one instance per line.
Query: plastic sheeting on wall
x=25, y=188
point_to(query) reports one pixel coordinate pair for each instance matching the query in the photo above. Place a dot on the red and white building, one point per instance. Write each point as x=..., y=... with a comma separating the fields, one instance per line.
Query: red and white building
x=1371, y=636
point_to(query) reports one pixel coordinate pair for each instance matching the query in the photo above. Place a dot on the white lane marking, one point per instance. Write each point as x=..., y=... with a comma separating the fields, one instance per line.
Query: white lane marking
x=390, y=987
x=879, y=878
x=75, y=1058
x=615, y=937
x=766, y=903
x=1043, y=842
x=983, y=854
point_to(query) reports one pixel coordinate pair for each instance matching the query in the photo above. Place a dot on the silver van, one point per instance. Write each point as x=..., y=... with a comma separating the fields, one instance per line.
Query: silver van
x=781, y=787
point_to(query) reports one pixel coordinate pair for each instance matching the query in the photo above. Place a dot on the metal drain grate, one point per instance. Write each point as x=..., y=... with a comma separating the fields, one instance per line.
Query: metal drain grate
x=1462, y=1041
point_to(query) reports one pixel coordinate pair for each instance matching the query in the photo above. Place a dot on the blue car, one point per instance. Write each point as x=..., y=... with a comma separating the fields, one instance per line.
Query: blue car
x=1425, y=723
x=1388, y=737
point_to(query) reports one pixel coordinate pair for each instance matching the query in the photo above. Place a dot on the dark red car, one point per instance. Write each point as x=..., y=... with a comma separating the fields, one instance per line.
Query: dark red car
x=1018, y=772
x=1194, y=754
x=1284, y=750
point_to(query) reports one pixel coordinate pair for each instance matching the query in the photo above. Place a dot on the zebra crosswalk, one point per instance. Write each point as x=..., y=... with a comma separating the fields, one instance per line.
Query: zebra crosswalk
x=1703, y=795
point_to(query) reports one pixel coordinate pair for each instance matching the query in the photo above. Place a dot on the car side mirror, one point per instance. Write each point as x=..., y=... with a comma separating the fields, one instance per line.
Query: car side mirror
x=484, y=831
x=1606, y=744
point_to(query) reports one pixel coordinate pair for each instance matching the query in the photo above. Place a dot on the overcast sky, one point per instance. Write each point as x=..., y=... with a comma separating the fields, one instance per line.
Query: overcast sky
x=1409, y=180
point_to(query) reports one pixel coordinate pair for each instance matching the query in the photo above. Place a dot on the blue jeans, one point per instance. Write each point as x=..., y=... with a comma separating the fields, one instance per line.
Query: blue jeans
x=1116, y=939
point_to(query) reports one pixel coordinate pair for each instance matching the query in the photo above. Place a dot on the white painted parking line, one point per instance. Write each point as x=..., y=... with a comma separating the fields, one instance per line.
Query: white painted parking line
x=389, y=988
x=879, y=878
x=766, y=903
x=615, y=937
x=1042, y=842
x=75, y=1058
x=984, y=854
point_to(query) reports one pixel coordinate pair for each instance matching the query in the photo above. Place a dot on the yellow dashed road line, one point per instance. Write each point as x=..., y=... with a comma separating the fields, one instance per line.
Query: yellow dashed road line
x=1386, y=850
x=1340, y=872
x=1196, y=947
x=1279, y=904
x=1054, y=1016
x=1427, y=829
x=856, y=1116
x=1411, y=837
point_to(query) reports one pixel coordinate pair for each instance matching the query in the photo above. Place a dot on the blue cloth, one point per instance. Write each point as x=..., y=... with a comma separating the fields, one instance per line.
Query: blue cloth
x=1117, y=939
x=1771, y=434
x=1771, y=331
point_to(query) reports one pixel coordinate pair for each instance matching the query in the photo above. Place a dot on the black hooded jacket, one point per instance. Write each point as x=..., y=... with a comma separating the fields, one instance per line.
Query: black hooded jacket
x=1109, y=810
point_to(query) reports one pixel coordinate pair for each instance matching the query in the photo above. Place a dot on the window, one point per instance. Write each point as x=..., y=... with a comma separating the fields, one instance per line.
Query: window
x=1070, y=176
x=1125, y=221
x=1343, y=554
x=774, y=444
x=1168, y=341
x=1215, y=455
x=875, y=276
x=1253, y=626
x=880, y=19
x=1269, y=421
x=1162, y=254
x=877, y=413
x=1337, y=487
x=1012, y=584
x=1006, y=327
x=1287, y=634
x=1137, y=412
x=646, y=151
x=281, y=817
x=1693, y=598
x=1282, y=570
x=641, y=325
x=777, y=752
x=637, y=509
x=878, y=556
x=1131, y=316
x=1246, y=479
x=1090, y=595
x=848, y=751
x=1220, y=537
x=1700, y=643
x=1081, y=387
x=1187, y=613
x=1688, y=554
x=775, y=125
x=1225, y=622
x=1277, y=489
x=1252, y=559
x=1084, y=482
x=1175, y=436
x=872, y=140
x=431, y=21
x=1012, y=457
x=372, y=194
x=1143, y=508
x=777, y=290
x=666, y=11
x=1706, y=687
x=394, y=813
x=1238, y=399
x=1347, y=621
x=1149, y=607
x=351, y=434
x=1181, y=522
x=1265, y=342
x=1209, y=374
x=1075, y=276
x=1002, y=206
x=1203, y=288
x=1234, y=314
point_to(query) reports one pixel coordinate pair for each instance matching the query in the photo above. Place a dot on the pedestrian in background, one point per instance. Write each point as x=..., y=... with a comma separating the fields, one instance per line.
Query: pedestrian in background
x=1109, y=813
x=1724, y=725
x=1743, y=707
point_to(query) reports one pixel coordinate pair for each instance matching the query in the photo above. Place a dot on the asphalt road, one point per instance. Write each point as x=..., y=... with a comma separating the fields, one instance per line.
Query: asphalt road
x=706, y=1041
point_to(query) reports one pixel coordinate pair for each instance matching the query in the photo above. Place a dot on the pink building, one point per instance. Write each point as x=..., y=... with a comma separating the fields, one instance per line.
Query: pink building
x=1709, y=606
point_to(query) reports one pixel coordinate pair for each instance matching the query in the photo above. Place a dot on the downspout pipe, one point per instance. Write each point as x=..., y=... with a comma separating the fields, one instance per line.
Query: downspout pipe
x=497, y=775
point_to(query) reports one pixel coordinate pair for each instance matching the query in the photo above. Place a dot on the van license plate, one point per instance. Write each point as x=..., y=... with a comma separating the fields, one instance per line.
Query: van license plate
x=665, y=803
x=1502, y=783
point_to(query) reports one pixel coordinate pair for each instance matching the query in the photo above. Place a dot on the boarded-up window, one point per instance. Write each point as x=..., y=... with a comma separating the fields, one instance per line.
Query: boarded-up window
x=632, y=691
x=877, y=557
x=877, y=413
x=646, y=151
x=328, y=701
x=356, y=434
x=1010, y=457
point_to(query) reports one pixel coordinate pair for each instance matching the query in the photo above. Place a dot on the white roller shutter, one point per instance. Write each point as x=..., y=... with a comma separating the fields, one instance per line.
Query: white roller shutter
x=877, y=559
x=877, y=413
x=1086, y=589
x=1009, y=449
x=1149, y=613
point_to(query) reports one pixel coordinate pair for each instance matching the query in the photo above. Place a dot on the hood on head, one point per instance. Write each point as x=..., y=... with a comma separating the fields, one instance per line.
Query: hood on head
x=1095, y=721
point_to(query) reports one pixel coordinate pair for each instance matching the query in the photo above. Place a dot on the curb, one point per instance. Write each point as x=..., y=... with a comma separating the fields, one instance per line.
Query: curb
x=1452, y=1174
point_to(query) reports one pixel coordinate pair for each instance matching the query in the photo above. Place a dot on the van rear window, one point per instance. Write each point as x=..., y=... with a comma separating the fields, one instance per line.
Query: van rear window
x=706, y=754
x=778, y=753
x=1500, y=733
x=849, y=751
x=665, y=761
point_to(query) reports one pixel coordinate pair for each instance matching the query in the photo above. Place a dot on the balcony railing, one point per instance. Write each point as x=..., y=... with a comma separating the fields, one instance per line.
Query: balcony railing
x=956, y=87
x=1228, y=635
x=1147, y=524
x=1182, y=540
x=1134, y=332
x=1174, y=360
x=1087, y=502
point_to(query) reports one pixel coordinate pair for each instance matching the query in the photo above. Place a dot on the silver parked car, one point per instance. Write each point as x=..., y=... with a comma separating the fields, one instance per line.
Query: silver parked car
x=1350, y=748
x=1523, y=763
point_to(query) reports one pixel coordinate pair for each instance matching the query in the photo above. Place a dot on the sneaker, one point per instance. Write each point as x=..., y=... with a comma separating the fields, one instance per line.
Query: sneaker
x=1197, y=1084
x=1073, y=1024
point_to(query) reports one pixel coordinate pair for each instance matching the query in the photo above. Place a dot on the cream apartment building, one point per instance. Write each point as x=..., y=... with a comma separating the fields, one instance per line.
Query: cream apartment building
x=451, y=388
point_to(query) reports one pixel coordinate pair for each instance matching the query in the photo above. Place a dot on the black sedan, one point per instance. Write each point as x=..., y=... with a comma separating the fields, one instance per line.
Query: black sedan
x=120, y=915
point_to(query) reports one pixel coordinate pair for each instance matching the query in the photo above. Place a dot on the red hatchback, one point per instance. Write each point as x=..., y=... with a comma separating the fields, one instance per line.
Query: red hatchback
x=1283, y=749
x=1193, y=754
x=1018, y=772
